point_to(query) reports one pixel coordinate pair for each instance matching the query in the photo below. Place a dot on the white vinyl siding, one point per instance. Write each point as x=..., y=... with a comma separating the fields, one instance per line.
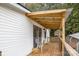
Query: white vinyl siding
x=16, y=33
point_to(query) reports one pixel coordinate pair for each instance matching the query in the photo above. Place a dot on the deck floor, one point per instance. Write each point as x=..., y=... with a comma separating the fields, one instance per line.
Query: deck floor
x=52, y=48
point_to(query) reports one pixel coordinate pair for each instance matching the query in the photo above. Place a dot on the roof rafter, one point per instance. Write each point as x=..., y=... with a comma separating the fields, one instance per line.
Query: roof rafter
x=51, y=18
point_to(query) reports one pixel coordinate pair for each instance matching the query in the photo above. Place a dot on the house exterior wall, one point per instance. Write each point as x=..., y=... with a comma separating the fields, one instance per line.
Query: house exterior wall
x=16, y=33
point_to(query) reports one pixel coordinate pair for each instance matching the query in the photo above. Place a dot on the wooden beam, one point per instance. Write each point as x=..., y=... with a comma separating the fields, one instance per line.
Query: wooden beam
x=47, y=12
x=53, y=15
x=37, y=24
x=54, y=24
x=48, y=19
x=49, y=23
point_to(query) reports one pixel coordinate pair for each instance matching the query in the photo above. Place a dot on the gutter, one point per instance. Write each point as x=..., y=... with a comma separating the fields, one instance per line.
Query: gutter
x=21, y=7
x=24, y=7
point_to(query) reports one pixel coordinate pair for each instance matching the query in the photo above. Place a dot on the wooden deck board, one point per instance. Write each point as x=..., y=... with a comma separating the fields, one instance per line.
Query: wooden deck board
x=50, y=49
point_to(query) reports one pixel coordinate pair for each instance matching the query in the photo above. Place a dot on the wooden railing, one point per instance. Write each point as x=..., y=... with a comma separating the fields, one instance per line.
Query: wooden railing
x=70, y=50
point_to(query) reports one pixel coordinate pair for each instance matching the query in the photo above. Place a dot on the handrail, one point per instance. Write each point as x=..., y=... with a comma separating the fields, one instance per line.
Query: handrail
x=70, y=50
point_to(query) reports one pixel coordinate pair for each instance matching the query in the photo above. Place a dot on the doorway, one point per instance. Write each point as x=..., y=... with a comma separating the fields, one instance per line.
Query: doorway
x=37, y=36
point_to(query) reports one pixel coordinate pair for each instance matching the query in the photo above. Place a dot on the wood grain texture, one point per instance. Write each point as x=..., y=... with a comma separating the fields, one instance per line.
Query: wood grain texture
x=52, y=48
x=49, y=18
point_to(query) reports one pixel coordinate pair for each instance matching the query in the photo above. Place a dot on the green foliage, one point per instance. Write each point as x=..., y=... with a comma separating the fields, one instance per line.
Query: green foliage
x=72, y=23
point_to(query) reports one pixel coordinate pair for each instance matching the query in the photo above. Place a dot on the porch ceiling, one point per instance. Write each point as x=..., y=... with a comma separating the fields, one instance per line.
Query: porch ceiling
x=50, y=19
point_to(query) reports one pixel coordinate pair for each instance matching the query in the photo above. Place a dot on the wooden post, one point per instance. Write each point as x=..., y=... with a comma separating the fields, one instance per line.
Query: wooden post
x=42, y=41
x=63, y=35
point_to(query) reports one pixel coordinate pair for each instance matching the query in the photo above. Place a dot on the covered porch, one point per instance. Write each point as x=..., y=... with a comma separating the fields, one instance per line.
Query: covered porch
x=52, y=19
